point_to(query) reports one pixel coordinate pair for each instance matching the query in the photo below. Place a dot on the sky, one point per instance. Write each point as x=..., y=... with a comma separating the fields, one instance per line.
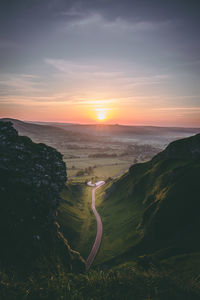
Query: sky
x=131, y=62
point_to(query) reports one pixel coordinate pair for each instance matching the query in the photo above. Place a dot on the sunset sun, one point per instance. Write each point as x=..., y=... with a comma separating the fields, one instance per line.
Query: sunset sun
x=101, y=116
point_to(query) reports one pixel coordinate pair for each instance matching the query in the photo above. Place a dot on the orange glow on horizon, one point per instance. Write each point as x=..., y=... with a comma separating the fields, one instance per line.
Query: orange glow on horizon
x=109, y=111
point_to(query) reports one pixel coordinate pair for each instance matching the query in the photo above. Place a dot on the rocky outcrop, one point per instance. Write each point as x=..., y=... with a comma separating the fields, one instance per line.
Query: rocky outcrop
x=31, y=178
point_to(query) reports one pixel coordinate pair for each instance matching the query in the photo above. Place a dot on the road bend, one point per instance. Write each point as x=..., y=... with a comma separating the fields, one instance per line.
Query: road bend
x=97, y=241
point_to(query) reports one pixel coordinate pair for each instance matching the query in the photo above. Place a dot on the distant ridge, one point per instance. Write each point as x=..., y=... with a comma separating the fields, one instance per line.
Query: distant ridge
x=117, y=129
x=47, y=131
x=59, y=124
x=39, y=132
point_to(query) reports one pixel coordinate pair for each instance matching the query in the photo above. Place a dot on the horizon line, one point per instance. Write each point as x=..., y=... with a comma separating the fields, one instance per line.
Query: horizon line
x=101, y=123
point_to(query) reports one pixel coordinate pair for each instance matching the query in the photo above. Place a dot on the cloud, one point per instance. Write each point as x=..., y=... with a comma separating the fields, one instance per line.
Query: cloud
x=119, y=24
x=188, y=109
x=58, y=98
x=137, y=26
x=69, y=66
x=73, y=12
x=19, y=84
x=90, y=72
x=82, y=71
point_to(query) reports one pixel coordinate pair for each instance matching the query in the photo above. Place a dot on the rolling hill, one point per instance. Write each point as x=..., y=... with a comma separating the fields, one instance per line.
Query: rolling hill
x=123, y=133
x=117, y=129
x=46, y=133
x=97, y=132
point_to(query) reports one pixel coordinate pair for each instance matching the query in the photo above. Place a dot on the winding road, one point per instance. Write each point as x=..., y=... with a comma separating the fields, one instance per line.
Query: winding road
x=97, y=242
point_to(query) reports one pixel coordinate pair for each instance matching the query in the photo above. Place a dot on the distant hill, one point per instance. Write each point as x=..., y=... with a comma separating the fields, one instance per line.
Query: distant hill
x=153, y=135
x=29, y=128
x=45, y=133
x=104, y=129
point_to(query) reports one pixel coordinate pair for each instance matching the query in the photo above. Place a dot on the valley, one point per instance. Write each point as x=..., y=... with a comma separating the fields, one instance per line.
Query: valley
x=150, y=215
x=149, y=247
x=101, y=151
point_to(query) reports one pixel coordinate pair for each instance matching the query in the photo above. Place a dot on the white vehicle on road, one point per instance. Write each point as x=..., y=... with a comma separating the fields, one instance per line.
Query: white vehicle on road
x=98, y=183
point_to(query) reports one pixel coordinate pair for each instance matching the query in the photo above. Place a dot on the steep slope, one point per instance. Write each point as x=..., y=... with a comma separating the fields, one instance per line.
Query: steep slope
x=154, y=208
x=31, y=178
x=171, y=217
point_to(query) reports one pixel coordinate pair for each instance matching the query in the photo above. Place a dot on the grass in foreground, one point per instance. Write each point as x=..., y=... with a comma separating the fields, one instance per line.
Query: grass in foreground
x=123, y=283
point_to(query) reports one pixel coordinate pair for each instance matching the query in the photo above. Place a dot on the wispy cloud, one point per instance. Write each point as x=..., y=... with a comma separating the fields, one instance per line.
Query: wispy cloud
x=73, y=12
x=80, y=69
x=19, y=84
x=97, y=73
x=69, y=66
x=119, y=24
x=187, y=109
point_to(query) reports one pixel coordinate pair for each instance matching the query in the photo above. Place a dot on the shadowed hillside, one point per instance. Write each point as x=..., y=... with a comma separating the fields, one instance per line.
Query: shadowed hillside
x=32, y=176
x=171, y=197
x=157, y=203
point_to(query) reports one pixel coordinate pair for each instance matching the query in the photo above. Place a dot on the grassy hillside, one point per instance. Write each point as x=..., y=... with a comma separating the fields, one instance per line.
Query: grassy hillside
x=151, y=224
x=77, y=222
x=155, y=205
x=150, y=247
